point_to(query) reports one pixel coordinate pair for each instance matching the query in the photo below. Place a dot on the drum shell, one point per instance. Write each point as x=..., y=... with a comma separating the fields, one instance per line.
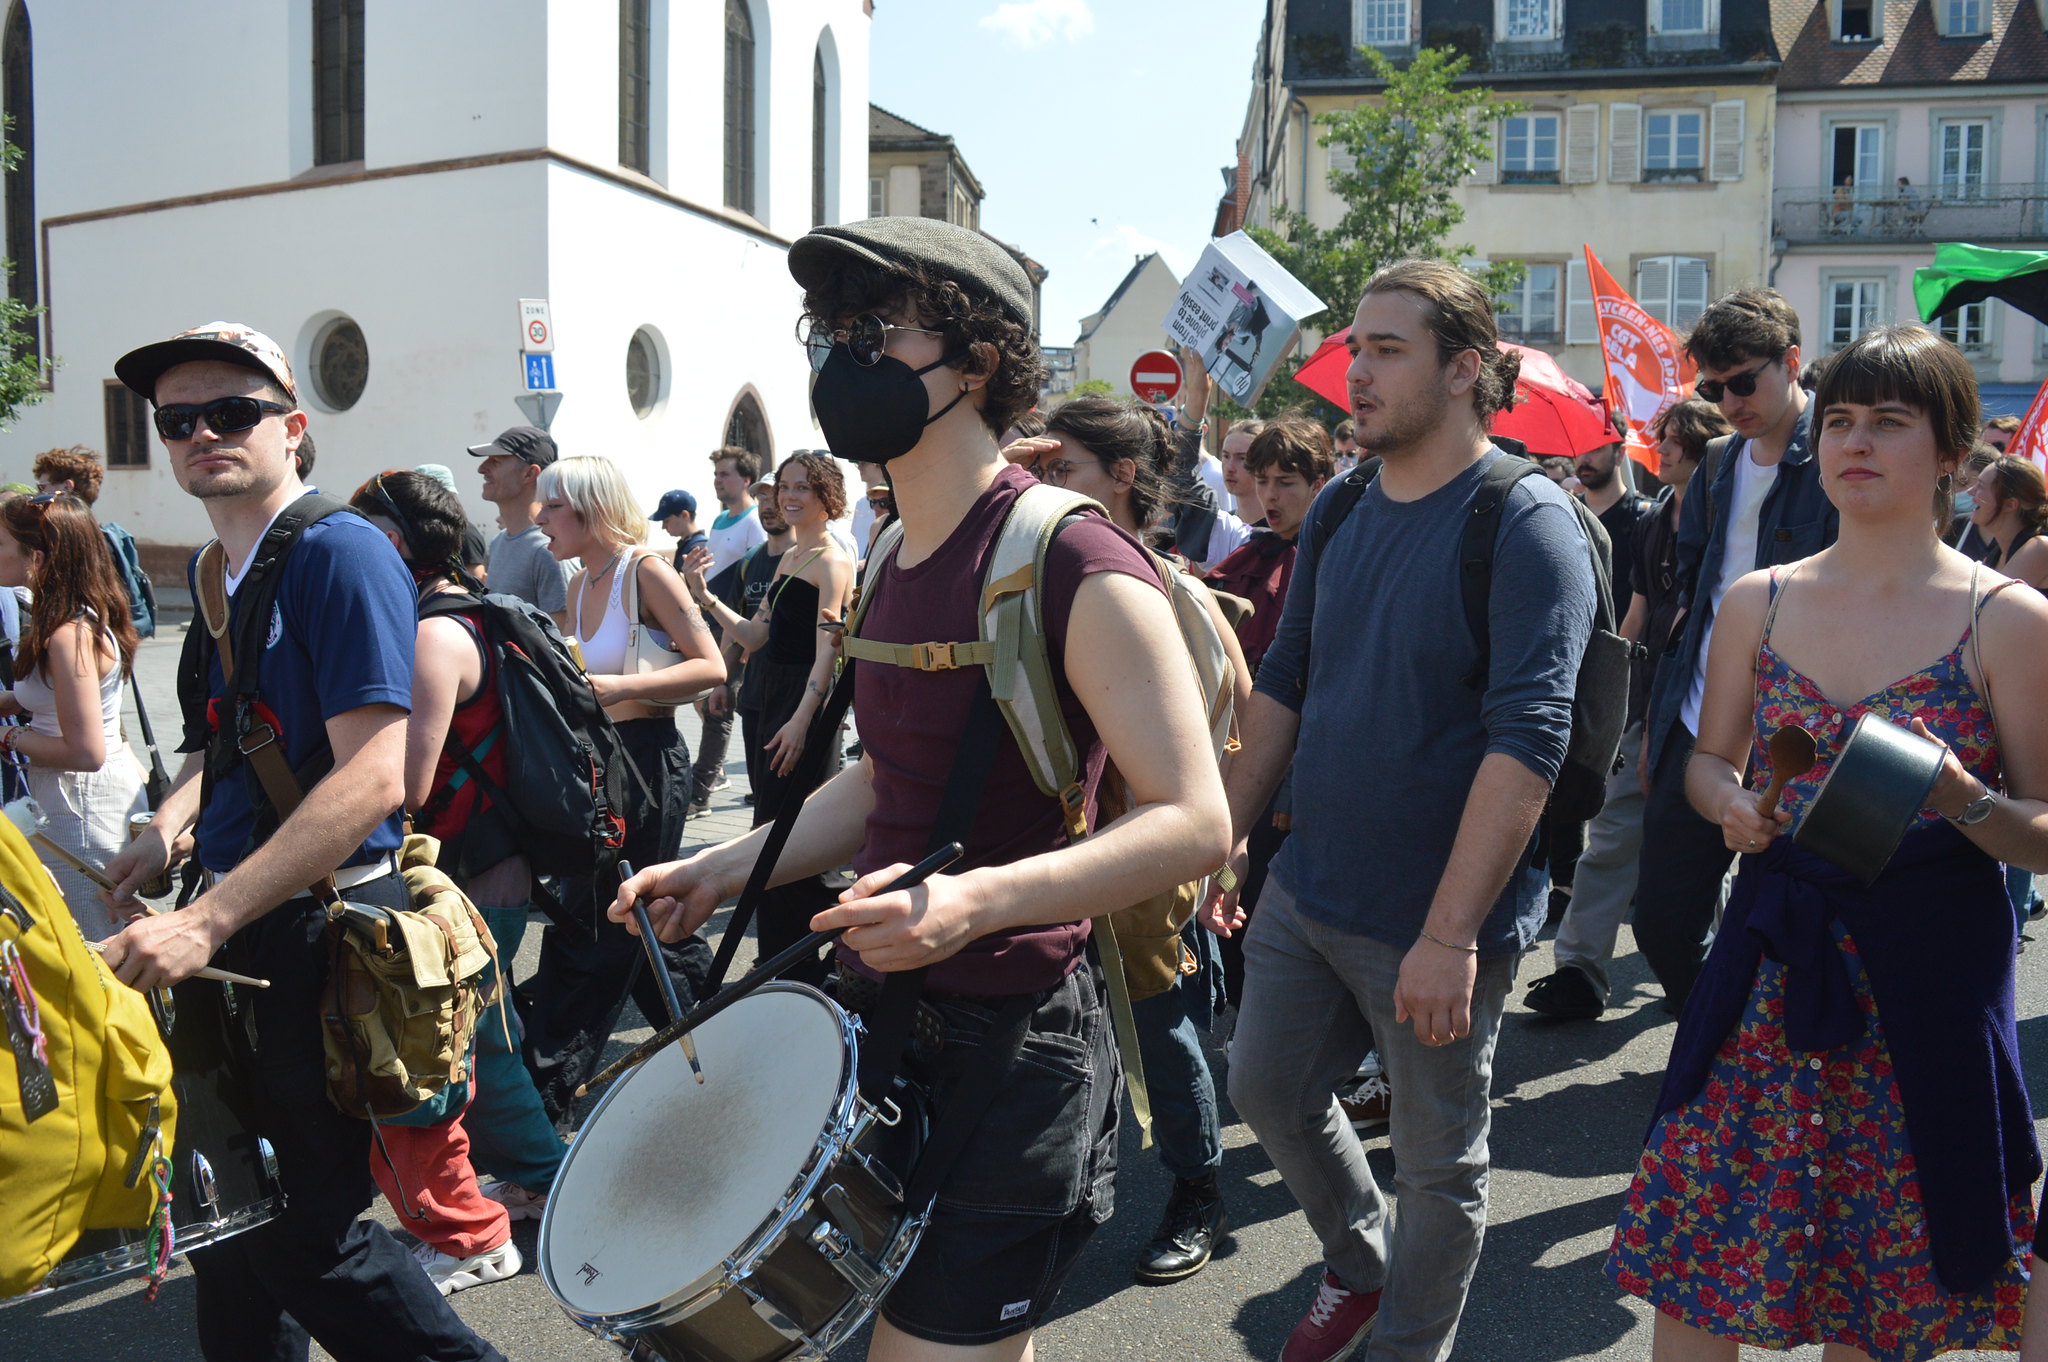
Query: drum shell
x=809, y=1272
x=217, y=1149
x=1873, y=794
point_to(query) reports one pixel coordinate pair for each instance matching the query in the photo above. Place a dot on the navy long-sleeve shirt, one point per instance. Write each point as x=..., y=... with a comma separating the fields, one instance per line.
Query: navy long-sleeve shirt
x=1391, y=735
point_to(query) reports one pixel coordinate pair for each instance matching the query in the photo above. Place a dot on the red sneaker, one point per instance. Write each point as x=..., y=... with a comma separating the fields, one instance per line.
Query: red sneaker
x=1334, y=1326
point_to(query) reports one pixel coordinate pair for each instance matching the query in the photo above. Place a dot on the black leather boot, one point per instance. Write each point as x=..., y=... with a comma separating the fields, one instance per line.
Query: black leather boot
x=1188, y=1232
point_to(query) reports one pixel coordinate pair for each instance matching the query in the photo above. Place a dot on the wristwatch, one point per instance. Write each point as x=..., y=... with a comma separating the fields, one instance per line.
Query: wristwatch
x=1977, y=810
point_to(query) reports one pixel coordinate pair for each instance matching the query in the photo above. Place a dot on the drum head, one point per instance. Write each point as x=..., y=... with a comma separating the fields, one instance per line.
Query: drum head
x=669, y=1177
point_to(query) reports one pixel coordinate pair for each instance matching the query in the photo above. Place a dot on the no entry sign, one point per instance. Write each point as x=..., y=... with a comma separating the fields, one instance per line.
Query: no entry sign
x=1156, y=376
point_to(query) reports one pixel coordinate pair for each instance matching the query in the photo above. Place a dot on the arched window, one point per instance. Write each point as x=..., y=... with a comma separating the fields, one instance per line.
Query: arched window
x=635, y=84
x=818, y=121
x=747, y=428
x=739, y=107
x=17, y=89
x=337, y=81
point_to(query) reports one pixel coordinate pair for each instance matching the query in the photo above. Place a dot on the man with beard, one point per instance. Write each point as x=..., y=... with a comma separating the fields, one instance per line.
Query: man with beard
x=1406, y=890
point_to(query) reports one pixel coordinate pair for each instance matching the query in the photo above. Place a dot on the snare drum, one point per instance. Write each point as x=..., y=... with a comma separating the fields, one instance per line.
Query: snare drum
x=223, y=1175
x=753, y=1217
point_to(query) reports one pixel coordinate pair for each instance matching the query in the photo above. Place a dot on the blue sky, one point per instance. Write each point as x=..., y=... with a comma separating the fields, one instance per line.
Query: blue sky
x=1096, y=127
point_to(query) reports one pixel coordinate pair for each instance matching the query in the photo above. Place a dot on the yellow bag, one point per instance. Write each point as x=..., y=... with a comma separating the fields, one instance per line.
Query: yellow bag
x=108, y=1088
x=403, y=996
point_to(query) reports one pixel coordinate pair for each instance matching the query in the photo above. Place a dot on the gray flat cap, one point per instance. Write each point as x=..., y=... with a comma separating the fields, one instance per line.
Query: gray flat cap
x=974, y=261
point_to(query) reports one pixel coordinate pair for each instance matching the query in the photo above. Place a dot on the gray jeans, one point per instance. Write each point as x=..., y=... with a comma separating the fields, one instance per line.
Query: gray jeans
x=1604, y=885
x=1315, y=1000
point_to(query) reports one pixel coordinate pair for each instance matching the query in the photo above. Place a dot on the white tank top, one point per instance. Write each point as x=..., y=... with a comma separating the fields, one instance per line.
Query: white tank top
x=604, y=652
x=39, y=699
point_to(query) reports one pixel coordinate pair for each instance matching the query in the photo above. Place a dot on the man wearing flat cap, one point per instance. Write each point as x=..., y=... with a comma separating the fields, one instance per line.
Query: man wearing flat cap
x=333, y=656
x=921, y=332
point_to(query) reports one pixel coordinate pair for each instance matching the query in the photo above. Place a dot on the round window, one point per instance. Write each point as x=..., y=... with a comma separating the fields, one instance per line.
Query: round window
x=341, y=364
x=643, y=373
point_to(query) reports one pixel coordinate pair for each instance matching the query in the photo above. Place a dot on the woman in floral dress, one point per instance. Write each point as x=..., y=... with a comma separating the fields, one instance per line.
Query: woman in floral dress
x=1843, y=1152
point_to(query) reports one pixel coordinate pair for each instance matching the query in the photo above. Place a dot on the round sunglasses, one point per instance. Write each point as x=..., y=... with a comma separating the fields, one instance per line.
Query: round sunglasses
x=224, y=416
x=863, y=338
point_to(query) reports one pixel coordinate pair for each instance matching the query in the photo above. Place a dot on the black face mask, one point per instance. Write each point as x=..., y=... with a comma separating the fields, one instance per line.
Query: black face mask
x=873, y=413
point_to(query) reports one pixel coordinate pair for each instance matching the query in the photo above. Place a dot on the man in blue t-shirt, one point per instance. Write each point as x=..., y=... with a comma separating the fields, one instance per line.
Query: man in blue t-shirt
x=335, y=675
x=1405, y=892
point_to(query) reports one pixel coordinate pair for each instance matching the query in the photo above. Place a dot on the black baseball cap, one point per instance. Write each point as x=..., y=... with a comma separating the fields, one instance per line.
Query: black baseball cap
x=975, y=261
x=530, y=443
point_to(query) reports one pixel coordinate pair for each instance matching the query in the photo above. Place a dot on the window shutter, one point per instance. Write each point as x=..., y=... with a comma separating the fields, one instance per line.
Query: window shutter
x=1581, y=325
x=1725, y=160
x=1688, y=292
x=1582, y=144
x=1653, y=287
x=1487, y=170
x=1625, y=143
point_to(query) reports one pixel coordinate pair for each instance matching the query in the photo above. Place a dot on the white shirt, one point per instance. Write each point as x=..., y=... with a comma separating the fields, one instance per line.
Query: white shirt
x=1738, y=557
x=729, y=543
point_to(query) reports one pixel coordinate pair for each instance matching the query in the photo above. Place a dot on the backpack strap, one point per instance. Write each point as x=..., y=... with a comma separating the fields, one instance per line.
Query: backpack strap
x=1475, y=554
x=1710, y=466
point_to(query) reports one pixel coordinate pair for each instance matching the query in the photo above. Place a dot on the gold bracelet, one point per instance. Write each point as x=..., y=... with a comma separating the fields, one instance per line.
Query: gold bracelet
x=1428, y=935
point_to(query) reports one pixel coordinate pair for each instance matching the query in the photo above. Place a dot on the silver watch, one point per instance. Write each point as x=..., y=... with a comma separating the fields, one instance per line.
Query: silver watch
x=1977, y=810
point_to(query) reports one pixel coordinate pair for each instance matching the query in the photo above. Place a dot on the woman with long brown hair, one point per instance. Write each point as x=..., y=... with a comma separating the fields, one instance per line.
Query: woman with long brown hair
x=77, y=646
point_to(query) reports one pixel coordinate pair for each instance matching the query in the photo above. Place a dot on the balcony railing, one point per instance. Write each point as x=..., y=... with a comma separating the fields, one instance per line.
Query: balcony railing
x=1912, y=215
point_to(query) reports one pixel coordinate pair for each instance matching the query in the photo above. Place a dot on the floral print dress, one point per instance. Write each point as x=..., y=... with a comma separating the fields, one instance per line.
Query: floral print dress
x=1780, y=1206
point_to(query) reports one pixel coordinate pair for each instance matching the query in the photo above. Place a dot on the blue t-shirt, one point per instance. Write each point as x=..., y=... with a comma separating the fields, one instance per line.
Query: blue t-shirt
x=1391, y=736
x=340, y=638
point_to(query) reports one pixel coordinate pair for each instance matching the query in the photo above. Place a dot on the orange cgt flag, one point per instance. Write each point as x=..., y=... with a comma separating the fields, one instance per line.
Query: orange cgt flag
x=2030, y=441
x=1647, y=372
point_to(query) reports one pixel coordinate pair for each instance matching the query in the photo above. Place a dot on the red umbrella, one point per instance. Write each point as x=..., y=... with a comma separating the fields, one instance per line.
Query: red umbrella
x=1554, y=413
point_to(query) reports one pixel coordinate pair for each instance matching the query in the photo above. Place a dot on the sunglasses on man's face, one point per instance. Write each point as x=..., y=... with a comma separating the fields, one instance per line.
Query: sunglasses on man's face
x=863, y=338
x=1742, y=384
x=224, y=416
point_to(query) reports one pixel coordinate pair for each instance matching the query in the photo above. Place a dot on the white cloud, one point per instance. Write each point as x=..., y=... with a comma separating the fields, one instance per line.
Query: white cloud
x=1034, y=23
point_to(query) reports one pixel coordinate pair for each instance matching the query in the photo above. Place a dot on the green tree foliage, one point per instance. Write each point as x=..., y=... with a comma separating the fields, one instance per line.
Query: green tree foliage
x=1415, y=143
x=21, y=372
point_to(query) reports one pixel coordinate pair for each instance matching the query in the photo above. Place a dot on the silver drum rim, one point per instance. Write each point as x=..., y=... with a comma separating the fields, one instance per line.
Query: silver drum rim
x=739, y=1264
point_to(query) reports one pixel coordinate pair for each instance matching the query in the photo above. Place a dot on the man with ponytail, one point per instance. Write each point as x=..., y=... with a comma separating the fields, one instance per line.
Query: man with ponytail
x=1396, y=910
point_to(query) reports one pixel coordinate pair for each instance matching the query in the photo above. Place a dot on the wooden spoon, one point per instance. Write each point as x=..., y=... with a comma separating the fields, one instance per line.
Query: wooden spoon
x=1792, y=756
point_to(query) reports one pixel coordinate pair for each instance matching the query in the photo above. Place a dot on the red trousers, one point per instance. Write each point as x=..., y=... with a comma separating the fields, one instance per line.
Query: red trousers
x=429, y=1182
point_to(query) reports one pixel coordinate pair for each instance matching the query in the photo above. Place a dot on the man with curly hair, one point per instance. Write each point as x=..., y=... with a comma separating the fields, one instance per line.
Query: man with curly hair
x=923, y=338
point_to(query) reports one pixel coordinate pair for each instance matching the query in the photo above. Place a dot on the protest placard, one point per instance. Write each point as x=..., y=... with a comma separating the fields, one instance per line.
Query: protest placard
x=1240, y=311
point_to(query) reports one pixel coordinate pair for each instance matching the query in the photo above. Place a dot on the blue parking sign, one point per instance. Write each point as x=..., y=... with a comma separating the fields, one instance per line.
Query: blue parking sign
x=540, y=373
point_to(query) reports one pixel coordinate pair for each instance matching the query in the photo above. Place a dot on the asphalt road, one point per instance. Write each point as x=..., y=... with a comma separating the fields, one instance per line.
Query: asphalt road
x=1570, y=1106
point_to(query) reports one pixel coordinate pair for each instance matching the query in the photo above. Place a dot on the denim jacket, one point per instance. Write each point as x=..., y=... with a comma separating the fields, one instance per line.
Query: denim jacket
x=1797, y=521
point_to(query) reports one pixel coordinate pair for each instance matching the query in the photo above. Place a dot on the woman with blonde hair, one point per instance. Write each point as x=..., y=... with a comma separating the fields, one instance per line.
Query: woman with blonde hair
x=2012, y=512
x=77, y=645
x=647, y=650
x=1842, y=1153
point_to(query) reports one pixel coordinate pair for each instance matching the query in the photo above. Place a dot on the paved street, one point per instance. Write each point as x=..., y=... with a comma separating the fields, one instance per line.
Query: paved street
x=1571, y=1103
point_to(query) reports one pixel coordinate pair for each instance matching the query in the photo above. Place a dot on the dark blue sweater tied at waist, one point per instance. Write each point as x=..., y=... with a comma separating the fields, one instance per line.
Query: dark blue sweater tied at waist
x=1937, y=941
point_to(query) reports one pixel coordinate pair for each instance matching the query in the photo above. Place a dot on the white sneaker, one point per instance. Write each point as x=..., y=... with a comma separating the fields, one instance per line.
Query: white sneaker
x=519, y=1203
x=450, y=1275
x=1370, y=1066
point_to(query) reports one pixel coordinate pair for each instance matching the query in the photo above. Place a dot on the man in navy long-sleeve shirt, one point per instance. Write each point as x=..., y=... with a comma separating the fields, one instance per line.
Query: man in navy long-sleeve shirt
x=1400, y=903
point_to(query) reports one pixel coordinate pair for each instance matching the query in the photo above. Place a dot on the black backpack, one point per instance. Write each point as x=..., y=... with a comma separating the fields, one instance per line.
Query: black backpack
x=565, y=771
x=1600, y=697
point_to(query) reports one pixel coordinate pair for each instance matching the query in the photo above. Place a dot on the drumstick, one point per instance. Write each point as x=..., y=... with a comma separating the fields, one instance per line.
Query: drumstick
x=762, y=973
x=660, y=968
x=205, y=972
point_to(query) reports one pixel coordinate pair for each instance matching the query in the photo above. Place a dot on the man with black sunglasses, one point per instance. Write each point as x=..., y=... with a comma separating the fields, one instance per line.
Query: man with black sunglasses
x=334, y=664
x=1758, y=502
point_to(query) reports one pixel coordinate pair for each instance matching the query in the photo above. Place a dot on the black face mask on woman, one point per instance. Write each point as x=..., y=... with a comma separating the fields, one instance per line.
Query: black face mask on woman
x=873, y=413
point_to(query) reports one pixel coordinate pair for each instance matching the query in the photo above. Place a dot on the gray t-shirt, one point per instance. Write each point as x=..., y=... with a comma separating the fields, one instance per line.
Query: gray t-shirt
x=522, y=566
x=1391, y=736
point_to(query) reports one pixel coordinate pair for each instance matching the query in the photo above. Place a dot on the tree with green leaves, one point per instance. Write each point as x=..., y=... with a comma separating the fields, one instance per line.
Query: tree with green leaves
x=1412, y=146
x=21, y=368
